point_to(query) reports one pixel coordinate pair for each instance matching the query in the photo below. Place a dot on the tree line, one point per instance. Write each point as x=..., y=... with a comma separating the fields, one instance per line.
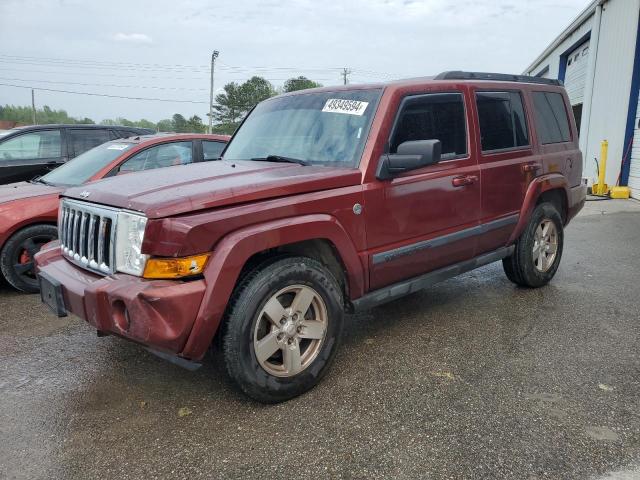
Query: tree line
x=230, y=107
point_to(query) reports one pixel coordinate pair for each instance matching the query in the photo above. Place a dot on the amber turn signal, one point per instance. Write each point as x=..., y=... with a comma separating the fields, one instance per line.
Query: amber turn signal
x=175, y=267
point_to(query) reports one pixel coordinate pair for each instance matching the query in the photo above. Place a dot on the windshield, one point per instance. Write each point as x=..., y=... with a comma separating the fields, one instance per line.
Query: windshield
x=327, y=128
x=86, y=165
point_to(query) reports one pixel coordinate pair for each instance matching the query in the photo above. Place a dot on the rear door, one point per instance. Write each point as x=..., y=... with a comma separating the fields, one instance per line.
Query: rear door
x=79, y=140
x=506, y=161
x=25, y=156
x=425, y=219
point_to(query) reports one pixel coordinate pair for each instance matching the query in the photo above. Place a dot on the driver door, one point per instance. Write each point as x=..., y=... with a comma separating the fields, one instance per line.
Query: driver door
x=427, y=218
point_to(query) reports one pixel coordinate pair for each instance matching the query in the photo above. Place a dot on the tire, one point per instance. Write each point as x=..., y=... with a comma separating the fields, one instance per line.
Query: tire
x=530, y=265
x=249, y=334
x=16, y=258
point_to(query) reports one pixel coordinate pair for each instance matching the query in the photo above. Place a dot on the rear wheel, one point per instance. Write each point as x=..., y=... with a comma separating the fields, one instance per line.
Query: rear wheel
x=16, y=258
x=282, y=329
x=537, y=253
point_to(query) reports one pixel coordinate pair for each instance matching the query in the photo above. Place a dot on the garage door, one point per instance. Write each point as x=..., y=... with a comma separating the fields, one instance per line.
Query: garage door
x=634, y=171
x=576, y=73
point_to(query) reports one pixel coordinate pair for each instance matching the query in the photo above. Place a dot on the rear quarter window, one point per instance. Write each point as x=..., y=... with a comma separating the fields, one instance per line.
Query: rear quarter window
x=550, y=113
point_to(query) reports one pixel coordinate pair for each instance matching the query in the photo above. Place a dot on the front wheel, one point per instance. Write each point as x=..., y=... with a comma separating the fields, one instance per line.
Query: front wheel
x=16, y=258
x=282, y=329
x=537, y=253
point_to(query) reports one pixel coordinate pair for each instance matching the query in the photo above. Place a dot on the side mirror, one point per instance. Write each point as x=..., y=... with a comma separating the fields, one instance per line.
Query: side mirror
x=410, y=156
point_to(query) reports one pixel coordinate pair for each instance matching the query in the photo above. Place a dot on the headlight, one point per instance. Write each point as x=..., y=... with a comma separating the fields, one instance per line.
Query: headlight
x=129, y=237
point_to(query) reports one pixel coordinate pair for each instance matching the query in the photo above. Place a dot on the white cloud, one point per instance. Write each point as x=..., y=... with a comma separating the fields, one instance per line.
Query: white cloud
x=132, y=37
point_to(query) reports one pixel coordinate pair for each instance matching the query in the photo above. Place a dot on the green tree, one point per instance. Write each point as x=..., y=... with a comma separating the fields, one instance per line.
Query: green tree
x=144, y=123
x=236, y=101
x=195, y=125
x=44, y=115
x=299, y=83
x=180, y=123
x=166, y=125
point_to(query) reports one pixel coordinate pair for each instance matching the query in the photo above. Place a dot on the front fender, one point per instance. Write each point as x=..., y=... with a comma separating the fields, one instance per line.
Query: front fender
x=539, y=185
x=232, y=252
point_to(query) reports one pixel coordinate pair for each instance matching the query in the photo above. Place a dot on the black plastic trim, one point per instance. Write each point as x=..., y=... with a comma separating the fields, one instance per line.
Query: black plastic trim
x=498, y=77
x=406, y=287
x=389, y=255
x=179, y=361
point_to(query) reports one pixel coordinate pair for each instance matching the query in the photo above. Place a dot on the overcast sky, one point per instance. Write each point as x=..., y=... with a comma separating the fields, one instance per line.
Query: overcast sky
x=118, y=47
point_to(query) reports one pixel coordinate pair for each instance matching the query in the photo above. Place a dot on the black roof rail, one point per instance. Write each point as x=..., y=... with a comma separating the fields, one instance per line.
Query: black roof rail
x=500, y=77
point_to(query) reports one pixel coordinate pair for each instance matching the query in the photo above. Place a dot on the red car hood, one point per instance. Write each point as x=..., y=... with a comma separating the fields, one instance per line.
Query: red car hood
x=22, y=190
x=175, y=190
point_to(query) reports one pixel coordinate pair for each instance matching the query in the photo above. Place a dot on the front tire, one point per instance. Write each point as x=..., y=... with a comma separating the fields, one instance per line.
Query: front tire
x=538, y=251
x=282, y=329
x=16, y=258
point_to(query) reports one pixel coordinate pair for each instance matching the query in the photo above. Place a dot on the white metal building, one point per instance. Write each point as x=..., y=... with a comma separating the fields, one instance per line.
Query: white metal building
x=598, y=59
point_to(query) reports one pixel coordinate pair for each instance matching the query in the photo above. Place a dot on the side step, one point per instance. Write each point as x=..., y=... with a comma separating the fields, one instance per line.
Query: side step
x=400, y=289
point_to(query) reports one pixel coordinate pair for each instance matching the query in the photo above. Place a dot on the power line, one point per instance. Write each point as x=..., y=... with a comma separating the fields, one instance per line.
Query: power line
x=93, y=64
x=104, y=94
x=100, y=84
x=101, y=74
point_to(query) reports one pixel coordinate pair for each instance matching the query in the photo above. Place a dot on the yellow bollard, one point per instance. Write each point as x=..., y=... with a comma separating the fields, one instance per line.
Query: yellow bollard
x=602, y=188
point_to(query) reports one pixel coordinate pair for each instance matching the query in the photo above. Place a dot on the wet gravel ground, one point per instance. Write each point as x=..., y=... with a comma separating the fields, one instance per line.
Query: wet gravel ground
x=473, y=378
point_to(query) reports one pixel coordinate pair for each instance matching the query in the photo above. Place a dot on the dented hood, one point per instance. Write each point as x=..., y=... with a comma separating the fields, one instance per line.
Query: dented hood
x=176, y=190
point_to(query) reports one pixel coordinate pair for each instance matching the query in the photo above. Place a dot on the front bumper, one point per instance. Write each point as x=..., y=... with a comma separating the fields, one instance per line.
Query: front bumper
x=157, y=313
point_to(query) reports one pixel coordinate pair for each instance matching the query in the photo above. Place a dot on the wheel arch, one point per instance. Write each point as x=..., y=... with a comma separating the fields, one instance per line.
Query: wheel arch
x=319, y=236
x=18, y=227
x=553, y=188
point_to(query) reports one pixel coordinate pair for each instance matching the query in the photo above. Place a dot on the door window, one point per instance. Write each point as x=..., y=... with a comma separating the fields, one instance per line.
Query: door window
x=212, y=150
x=34, y=145
x=437, y=116
x=85, y=139
x=502, y=120
x=551, y=117
x=165, y=155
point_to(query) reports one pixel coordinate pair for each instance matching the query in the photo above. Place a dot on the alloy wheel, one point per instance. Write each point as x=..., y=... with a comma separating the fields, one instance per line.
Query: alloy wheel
x=545, y=245
x=290, y=330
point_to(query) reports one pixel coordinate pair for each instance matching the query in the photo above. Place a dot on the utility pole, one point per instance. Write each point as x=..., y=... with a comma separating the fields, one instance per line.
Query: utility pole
x=214, y=55
x=33, y=106
x=345, y=72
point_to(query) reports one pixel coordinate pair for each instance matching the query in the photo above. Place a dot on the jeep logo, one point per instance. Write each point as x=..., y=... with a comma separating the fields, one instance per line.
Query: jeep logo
x=85, y=194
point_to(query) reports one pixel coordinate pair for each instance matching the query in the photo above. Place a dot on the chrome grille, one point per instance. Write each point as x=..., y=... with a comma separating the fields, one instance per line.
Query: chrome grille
x=87, y=235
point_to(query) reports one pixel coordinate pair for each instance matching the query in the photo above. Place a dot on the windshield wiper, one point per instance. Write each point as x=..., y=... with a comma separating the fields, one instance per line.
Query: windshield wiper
x=281, y=159
x=38, y=179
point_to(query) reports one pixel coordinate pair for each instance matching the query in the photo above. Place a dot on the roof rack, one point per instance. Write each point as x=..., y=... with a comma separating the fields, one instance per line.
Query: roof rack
x=501, y=77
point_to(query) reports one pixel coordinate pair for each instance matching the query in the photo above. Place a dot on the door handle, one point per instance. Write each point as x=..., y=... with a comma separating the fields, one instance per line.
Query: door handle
x=531, y=167
x=464, y=180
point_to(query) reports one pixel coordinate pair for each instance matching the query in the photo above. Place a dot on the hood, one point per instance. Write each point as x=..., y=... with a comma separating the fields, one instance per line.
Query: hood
x=22, y=190
x=175, y=190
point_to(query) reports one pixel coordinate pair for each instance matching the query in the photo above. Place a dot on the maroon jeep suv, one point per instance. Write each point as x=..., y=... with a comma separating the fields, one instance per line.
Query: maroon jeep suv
x=326, y=201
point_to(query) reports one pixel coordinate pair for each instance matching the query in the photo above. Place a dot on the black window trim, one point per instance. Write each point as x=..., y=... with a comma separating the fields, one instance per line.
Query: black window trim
x=564, y=105
x=495, y=151
x=411, y=96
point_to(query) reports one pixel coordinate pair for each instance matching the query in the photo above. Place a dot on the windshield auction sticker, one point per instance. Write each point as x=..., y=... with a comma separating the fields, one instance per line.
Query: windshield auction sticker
x=350, y=107
x=117, y=146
